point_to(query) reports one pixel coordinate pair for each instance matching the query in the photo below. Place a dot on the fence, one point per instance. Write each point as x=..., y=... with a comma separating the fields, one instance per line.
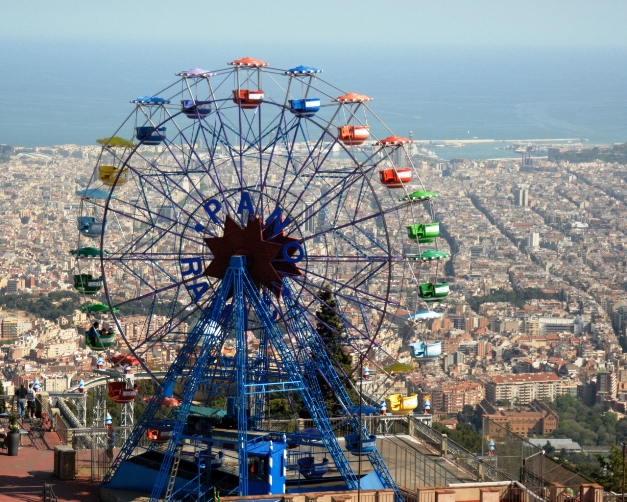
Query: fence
x=527, y=462
x=19, y=492
x=378, y=425
x=93, y=453
x=46, y=405
x=411, y=468
x=481, y=469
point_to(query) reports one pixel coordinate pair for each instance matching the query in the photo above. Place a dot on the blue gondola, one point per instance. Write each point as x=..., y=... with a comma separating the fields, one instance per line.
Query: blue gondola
x=151, y=100
x=90, y=226
x=93, y=193
x=302, y=70
x=366, y=410
x=308, y=467
x=423, y=315
x=305, y=107
x=368, y=444
x=424, y=351
x=150, y=135
x=193, y=109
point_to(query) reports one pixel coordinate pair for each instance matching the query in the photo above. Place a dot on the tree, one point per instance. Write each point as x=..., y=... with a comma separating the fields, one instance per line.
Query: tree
x=467, y=416
x=3, y=405
x=549, y=450
x=463, y=434
x=612, y=469
x=331, y=331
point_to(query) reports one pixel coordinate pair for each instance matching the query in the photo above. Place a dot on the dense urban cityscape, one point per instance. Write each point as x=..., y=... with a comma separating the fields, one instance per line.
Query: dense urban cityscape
x=553, y=228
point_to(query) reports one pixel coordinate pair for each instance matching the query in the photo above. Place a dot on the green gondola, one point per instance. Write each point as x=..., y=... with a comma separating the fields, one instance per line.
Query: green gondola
x=420, y=196
x=88, y=253
x=102, y=342
x=431, y=292
x=428, y=255
x=97, y=308
x=87, y=284
x=423, y=232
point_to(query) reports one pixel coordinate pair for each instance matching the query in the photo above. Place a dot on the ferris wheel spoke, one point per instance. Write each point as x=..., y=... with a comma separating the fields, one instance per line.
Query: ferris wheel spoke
x=336, y=190
x=344, y=225
x=212, y=171
x=263, y=175
x=159, y=334
x=345, y=321
x=158, y=291
x=339, y=284
x=154, y=226
x=148, y=180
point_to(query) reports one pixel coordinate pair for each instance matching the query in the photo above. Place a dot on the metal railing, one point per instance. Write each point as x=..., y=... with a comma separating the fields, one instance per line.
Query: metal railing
x=380, y=425
x=412, y=468
x=58, y=425
x=482, y=469
x=49, y=495
x=521, y=459
x=18, y=492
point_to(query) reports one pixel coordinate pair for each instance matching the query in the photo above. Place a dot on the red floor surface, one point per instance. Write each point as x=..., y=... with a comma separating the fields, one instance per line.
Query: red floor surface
x=22, y=477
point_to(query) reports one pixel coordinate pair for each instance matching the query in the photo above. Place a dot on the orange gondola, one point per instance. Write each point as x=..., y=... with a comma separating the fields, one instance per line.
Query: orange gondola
x=168, y=402
x=123, y=359
x=393, y=141
x=353, y=135
x=395, y=178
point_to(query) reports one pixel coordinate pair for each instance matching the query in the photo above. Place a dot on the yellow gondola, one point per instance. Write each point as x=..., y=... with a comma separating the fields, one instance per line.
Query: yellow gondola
x=397, y=404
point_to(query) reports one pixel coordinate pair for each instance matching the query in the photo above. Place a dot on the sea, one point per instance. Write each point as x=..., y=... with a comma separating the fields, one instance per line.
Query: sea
x=56, y=92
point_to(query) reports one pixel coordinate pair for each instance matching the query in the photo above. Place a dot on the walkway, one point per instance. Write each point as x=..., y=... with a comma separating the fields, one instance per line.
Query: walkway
x=33, y=467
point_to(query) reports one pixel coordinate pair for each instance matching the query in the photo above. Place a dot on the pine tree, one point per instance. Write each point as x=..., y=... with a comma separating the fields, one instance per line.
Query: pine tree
x=331, y=331
x=3, y=405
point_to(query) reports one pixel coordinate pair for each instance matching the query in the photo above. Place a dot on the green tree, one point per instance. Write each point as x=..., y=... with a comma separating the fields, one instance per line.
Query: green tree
x=549, y=449
x=467, y=416
x=331, y=331
x=612, y=476
x=3, y=404
x=463, y=434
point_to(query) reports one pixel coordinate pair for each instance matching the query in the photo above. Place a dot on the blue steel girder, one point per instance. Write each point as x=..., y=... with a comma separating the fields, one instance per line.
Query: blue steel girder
x=314, y=403
x=210, y=336
x=308, y=337
x=239, y=313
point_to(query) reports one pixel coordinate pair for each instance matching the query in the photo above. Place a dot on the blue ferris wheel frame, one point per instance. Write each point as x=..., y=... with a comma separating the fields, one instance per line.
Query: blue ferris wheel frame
x=213, y=206
x=247, y=202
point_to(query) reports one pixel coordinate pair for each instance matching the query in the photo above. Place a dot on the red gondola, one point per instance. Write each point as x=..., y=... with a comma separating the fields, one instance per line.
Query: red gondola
x=248, y=99
x=353, y=135
x=123, y=359
x=120, y=393
x=395, y=178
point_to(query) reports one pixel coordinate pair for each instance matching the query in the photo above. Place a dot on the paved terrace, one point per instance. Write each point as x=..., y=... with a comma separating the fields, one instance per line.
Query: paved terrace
x=22, y=477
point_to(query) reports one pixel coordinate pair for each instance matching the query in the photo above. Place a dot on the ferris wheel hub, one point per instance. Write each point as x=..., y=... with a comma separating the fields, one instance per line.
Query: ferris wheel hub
x=262, y=253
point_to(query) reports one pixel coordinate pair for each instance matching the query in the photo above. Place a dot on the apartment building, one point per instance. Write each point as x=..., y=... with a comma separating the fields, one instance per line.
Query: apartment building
x=522, y=388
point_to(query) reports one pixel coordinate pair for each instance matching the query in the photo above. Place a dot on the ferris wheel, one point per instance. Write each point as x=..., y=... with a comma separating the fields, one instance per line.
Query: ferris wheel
x=296, y=180
x=285, y=153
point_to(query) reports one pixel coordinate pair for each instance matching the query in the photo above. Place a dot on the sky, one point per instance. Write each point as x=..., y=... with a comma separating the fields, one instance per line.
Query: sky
x=349, y=23
x=543, y=68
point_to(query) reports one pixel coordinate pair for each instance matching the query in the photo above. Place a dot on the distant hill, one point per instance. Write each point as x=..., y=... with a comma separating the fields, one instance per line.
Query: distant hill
x=614, y=153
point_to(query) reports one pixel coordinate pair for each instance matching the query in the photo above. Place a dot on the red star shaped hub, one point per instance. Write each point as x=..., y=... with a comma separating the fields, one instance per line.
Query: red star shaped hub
x=263, y=250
